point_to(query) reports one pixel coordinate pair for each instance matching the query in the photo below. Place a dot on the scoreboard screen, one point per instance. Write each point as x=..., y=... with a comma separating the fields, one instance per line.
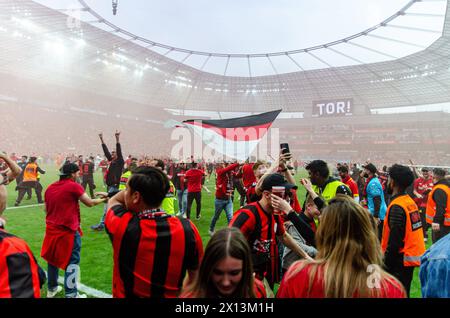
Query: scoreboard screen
x=333, y=108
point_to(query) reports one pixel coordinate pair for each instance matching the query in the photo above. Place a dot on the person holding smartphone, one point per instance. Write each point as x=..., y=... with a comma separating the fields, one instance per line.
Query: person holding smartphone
x=261, y=227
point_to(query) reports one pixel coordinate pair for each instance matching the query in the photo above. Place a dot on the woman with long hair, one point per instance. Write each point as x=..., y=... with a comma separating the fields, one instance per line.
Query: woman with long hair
x=349, y=259
x=226, y=269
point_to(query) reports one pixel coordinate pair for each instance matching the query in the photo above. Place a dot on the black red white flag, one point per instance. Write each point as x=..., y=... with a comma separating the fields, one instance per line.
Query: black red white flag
x=234, y=137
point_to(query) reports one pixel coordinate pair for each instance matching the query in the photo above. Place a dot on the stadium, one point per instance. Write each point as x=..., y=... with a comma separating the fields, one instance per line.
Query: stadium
x=386, y=106
x=68, y=74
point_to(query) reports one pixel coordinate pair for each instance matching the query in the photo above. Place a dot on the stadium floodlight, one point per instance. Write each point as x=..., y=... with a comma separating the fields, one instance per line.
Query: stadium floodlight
x=26, y=24
x=79, y=42
x=114, y=6
x=57, y=47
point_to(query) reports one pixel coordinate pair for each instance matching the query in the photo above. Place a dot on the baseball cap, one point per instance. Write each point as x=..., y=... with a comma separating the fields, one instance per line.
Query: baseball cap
x=68, y=169
x=276, y=180
x=371, y=167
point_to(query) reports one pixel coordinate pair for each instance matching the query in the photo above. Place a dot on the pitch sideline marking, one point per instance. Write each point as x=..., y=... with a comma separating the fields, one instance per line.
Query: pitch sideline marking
x=24, y=206
x=87, y=290
x=83, y=288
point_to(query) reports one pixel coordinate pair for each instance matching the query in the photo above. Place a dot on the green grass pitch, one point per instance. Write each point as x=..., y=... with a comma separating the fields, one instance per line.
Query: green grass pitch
x=96, y=251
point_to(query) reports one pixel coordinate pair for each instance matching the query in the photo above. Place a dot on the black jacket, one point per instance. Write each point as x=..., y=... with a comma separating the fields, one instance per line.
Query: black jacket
x=115, y=166
x=440, y=197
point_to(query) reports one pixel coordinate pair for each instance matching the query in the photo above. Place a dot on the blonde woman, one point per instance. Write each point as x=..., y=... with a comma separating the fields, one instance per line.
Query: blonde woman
x=349, y=259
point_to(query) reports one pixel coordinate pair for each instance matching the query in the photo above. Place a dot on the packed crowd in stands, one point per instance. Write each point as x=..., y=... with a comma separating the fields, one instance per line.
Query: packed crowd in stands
x=75, y=133
x=356, y=220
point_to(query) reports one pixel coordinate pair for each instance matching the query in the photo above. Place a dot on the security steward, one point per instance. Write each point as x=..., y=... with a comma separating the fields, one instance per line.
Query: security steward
x=402, y=241
x=20, y=274
x=438, y=205
x=168, y=204
x=30, y=180
x=323, y=184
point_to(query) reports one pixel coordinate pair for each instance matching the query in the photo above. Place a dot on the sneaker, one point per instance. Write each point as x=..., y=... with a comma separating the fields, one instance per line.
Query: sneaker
x=98, y=227
x=16, y=204
x=79, y=296
x=211, y=233
x=52, y=294
x=198, y=217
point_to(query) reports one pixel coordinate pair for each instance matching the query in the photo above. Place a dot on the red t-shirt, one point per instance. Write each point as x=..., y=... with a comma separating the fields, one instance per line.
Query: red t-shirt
x=248, y=177
x=61, y=204
x=352, y=185
x=223, y=180
x=104, y=165
x=297, y=285
x=423, y=187
x=194, y=180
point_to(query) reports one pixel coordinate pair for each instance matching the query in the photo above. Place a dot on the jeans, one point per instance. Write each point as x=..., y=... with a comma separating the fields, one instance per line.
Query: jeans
x=191, y=196
x=71, y=274
x=220, y=205
x=105, y=208
x=182, y=201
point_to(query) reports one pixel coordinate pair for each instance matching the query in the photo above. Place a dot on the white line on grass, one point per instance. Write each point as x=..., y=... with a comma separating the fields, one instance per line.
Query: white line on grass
x=24, y=206
x=81, y=287
x=87, y=290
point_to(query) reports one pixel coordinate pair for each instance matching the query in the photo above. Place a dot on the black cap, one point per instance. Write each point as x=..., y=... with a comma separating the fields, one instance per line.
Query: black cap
x=276, y=180
x=371, y=167
x=68, y=169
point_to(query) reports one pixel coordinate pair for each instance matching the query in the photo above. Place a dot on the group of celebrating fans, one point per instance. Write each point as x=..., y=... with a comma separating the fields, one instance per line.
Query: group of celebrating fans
x=353, y=223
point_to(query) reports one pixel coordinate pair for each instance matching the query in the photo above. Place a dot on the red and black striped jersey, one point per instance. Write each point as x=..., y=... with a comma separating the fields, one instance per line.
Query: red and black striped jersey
x=152, y=252
x=260, y=291
x=20, y=275
x=251, y=194
x=261, y=228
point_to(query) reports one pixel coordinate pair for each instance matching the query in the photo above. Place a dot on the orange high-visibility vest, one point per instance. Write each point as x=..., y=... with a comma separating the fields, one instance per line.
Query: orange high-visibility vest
x=30, y=172
x=431, y=205
x=414, y=244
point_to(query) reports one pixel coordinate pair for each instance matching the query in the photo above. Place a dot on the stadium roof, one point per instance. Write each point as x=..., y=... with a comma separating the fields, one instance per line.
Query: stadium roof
x=47, y=45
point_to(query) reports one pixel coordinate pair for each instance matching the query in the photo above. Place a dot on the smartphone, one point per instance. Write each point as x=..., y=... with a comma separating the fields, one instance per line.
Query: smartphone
x=285, y=148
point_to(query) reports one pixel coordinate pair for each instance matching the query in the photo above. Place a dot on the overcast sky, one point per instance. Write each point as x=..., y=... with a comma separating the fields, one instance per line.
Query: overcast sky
x=260, y=26
x=241, y=26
